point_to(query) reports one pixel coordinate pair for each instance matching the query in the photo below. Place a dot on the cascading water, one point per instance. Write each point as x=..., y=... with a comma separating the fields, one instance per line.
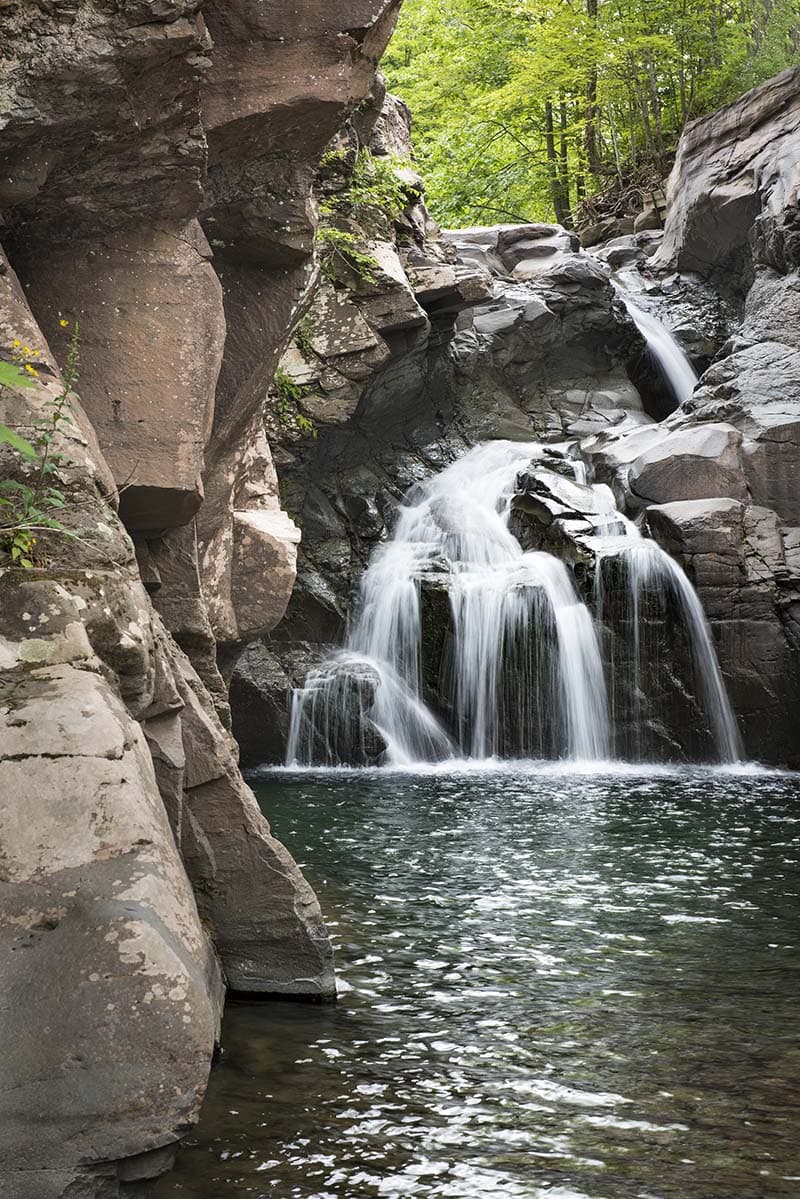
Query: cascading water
x=522, y=673
x=649, y=570
x=676, y=367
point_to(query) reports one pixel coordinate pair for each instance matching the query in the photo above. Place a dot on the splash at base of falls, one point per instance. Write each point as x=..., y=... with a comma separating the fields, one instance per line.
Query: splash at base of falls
x=521, y=669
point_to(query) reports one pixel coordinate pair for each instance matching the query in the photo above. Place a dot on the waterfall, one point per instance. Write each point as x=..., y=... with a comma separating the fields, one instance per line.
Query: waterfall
x=649, y=567
x=676, y=367
x=521, y=670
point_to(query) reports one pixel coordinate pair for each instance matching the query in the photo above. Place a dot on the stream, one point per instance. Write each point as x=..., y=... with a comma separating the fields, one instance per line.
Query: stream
x=555, y=985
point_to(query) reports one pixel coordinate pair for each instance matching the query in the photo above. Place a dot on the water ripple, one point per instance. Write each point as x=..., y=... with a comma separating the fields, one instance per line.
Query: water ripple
x=554, y=985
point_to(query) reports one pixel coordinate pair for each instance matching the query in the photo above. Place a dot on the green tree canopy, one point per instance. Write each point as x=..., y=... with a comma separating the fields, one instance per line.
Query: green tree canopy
x=524, y=107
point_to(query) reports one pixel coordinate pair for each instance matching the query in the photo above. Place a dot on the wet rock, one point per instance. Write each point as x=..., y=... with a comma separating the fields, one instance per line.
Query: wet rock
x=633, y=249
x=436, y=625
x=735, y=555
x=551, y=511
x=261, y=697
x=690, y=465
x=344, y=686
x=263, y=912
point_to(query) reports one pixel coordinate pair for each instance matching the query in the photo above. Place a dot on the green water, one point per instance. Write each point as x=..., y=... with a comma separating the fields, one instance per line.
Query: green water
x=554, y=986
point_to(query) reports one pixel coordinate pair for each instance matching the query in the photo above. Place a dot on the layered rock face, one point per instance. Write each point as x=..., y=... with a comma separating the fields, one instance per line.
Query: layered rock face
x=101, y=934
x=718, y=481
x=158, y=160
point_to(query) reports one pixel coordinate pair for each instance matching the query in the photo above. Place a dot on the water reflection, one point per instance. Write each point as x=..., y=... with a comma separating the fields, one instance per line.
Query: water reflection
x=561, y=986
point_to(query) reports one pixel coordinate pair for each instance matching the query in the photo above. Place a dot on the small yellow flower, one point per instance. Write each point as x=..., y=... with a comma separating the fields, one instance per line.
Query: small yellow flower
x=30, y=370
x=26, y=350
x=63, y=323
x=16, y=342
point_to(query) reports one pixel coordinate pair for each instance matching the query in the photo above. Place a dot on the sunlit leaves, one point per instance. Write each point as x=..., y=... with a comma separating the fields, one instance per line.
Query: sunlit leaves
x=479, y=74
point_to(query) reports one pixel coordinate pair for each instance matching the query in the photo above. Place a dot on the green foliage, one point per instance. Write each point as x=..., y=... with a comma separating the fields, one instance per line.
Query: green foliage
x=31, y=507
x=23, y=447
x=305, y=425
x=304, y=335
x=355, y=206
x=289, y=416
x=286, y=387
x=334, y=157
x=375, y=194
x=12, y=374
x=523, y=107
x=340, y=255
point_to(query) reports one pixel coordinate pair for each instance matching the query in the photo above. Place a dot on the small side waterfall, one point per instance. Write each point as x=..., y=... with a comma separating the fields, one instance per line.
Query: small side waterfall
x=521, y=671
x=676, y=367
x=650, y=569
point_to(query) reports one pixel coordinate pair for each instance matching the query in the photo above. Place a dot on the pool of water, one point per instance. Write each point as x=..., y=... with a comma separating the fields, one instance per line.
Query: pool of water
x=555, y=986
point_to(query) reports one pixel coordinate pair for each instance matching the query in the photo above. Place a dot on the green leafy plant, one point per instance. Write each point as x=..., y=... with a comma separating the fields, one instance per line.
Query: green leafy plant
x=286, y=387
x=285, y=408
x=305, y=425
x=334, y=157
x=375, y=195
x=340, y=254
x=303, y=336
x=526, y=109
x=30, y=507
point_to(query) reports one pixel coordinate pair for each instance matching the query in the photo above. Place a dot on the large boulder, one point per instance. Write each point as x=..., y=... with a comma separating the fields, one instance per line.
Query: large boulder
x=100, y=939
x=735, y=166
x=690, y=465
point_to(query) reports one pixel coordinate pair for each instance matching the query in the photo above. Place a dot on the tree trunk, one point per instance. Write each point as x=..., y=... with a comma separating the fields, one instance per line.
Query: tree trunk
x=563, y=163
x=590, y=133
x=562, y=212
x=656, y=103
x=615, y=144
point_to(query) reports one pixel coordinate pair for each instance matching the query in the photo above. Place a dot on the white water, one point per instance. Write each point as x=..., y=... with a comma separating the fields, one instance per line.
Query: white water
x=526, y=675
x=649, y=568
x=677, y=369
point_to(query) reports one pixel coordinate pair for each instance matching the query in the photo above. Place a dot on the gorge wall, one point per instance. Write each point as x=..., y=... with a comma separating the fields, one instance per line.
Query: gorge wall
x=158, y=161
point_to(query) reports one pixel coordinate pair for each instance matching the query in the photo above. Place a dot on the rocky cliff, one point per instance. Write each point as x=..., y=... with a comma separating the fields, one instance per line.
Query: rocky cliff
x=158, y=162
x=716, y=481
x=548, y=352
